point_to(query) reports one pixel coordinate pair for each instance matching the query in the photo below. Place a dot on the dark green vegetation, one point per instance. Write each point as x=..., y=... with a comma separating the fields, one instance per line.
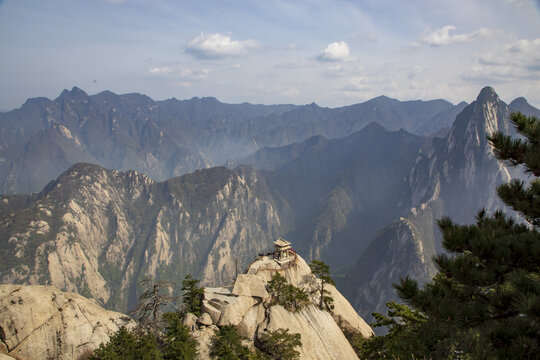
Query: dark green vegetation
x=279, y=344
x=128, y=345
x=285, y=294
x=165, y=336
x=227, y=345
x=484, y=302
x=193, y=295
x=322, y=272
x=175, y=342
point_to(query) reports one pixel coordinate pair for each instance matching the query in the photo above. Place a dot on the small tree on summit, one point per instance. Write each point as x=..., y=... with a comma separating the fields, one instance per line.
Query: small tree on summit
x=322, y=272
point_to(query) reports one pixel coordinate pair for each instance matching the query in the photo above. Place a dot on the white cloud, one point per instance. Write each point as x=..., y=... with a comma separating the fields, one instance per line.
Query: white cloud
x=515, y=61
x=214, y=46
x=283, y=90
x=442, y=36
x=336, y=51
x=161, y=70
x=177, y=72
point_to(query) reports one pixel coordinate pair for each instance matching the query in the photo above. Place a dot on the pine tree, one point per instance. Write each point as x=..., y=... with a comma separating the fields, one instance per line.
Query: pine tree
x=484, y=303
x=279, y=345
x=151, y=300
x=179, y=344
x=193, y=295
x=287, y=295
x=227, y=345
x=128, y=345
x=322, y=271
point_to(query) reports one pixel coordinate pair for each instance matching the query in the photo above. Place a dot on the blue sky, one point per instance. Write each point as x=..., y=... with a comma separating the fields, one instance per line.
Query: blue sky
x=332, y=52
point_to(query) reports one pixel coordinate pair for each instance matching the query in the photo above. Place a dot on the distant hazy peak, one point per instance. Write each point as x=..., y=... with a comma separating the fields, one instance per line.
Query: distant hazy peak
x=74, y=93
x=488, y=94
x=520, y=100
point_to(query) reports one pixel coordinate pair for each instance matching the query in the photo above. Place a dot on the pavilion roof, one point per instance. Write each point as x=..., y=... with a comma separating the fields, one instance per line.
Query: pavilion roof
x=282, y=242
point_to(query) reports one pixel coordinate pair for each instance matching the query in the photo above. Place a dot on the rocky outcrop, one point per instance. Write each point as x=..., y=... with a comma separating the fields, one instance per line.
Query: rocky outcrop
x=320, y=335
x=42, y=322
x=97, y=231
x=249, y=308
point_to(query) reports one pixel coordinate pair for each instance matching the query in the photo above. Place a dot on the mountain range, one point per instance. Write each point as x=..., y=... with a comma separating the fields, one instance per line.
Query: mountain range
x=359, y=187
x=163, y=139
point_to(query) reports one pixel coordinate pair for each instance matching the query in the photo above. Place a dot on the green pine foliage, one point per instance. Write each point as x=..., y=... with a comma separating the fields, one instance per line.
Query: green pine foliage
x=128, y=345
x=484, y=303
x=179, y=344
x=279, y=345
x=193, y=295
x=322, y=271
x=287, y=295
x=227, y=345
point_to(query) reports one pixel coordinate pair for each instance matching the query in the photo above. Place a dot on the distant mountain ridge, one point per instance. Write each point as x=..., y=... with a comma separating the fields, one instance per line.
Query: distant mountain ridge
x=456, y=177
x=169, y=138
x=365, y=203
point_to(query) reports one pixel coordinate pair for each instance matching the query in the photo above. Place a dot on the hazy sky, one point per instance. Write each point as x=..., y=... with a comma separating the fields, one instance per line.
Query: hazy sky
x=332, y=52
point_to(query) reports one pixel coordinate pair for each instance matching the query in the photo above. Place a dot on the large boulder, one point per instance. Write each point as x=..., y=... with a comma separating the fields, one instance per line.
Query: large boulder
x=205, y=319
x=321, y=337
x=233, y=313
x=42, y=322
x=250, y=322
x=189, y=320
x=250, y=285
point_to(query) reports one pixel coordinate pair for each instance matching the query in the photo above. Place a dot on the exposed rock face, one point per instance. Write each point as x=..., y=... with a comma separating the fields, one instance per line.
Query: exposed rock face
x=97, y=231
x=249, y=309
x=42, y=322
x=456, y=177
x=168, y=138
x=321, y=336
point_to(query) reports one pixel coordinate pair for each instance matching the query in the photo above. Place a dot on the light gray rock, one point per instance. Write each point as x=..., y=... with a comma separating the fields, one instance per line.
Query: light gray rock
x=205, y=319
x=6, y=357
x=214, y=313
x=321, y=337
x=250, y=285
x=232, y=314
x=189, y=320
x=42, y=322
x=251, y=320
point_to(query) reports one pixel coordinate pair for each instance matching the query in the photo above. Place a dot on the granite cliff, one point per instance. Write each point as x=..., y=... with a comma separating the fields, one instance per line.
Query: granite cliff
x=247, y=305
x=98, y=231
x=42, y=322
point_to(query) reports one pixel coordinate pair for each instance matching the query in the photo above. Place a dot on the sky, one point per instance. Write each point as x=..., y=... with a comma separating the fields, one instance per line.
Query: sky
x=331, y=52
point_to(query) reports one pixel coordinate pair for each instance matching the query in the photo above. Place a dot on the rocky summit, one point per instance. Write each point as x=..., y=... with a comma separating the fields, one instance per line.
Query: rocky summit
x=248, y=306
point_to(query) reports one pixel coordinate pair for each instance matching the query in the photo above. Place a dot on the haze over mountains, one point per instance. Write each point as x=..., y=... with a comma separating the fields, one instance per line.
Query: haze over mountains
x=163, y=139
x=345, y=185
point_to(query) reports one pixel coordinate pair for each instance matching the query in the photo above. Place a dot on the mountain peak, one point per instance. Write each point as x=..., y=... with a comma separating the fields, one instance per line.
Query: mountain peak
x=488, y=94
x=519, y=101
x=74, y=93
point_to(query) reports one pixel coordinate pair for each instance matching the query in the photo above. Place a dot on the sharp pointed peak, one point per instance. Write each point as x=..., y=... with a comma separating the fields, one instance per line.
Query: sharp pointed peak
x=75, y=92
x=487, y=94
